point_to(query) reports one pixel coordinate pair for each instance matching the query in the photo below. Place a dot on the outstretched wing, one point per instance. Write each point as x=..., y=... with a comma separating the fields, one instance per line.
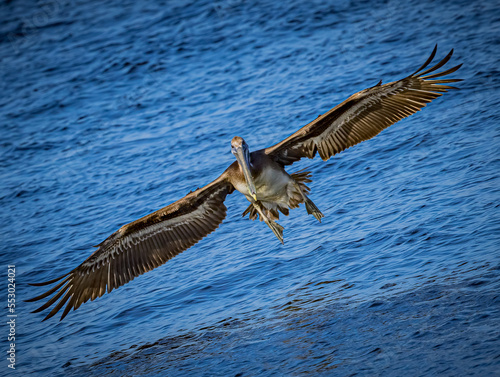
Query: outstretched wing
x=365, y=114
x=140, y=247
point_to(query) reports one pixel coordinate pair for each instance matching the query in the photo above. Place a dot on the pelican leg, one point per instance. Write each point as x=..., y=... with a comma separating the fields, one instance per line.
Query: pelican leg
x=310, y=206
x=275, y=227
x=312, y=209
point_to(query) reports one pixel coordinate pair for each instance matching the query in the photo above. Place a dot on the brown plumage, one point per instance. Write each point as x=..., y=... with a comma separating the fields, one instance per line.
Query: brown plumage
x=151, y=241
x=365, y=114
x=141, y=246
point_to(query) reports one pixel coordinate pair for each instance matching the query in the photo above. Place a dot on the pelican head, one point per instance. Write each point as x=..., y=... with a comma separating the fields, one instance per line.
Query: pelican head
x=242, y=153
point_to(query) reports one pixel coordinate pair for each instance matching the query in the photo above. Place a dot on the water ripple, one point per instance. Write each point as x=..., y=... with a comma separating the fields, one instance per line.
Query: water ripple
x=111, y=111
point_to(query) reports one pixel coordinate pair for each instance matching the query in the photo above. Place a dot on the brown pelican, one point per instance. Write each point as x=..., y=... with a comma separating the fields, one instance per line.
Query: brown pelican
x=149, y=242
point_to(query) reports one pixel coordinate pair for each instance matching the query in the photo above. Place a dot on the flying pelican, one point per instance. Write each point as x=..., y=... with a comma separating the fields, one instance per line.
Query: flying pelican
x=260, y=176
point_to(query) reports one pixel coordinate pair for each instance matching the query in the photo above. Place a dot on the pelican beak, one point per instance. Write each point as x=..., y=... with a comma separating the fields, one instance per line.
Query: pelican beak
x=243, y=158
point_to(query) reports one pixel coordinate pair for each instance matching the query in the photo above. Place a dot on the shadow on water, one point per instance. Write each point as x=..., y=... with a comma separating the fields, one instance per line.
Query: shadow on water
x=316, y=336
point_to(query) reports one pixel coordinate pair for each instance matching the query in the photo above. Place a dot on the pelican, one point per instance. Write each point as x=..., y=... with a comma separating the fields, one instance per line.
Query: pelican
x=260, y=176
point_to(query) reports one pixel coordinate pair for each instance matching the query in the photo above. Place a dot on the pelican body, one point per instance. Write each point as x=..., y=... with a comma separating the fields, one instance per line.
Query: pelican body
x=267, y=186
x=260, y=176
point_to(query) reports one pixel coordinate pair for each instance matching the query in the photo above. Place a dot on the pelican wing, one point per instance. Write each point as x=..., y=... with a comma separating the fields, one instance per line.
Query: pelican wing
x=140, y=247
x=365, y=114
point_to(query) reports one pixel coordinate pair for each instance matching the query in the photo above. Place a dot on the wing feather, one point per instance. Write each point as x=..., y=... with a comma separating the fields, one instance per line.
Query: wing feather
x=140, y=247
x=365, y=114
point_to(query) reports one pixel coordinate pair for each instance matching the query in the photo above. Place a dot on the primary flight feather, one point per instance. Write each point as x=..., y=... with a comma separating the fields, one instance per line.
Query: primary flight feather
x=151, y=241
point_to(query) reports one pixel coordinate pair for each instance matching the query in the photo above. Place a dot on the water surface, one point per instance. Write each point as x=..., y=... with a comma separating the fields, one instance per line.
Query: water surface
x=112, y=110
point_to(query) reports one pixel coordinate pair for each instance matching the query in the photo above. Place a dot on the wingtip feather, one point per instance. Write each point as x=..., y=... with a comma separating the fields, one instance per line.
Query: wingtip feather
x=428, y=61
x=438, y=65
x=49, y=281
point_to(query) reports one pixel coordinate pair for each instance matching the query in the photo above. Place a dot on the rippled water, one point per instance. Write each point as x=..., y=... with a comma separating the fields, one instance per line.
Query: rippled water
x=110, y=111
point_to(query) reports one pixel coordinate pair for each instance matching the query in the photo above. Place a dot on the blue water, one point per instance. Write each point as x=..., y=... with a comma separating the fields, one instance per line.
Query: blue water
x=110, y=110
